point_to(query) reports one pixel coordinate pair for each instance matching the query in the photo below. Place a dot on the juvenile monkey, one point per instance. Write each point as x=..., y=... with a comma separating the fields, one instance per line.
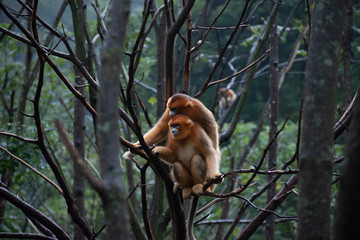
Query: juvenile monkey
x=227, y=97
x=190, y=150
x=200, y=115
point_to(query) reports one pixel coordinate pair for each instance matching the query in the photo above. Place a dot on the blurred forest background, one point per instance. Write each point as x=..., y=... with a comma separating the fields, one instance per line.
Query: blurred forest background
x=54, y=55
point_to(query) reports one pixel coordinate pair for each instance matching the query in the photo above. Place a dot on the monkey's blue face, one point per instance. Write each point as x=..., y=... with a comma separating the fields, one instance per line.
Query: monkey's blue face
x=175, y=129
x=172, y=112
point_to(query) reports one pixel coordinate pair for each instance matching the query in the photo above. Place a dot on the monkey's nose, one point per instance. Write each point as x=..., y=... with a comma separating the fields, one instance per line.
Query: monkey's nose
x=172, y=113
x=174, y=131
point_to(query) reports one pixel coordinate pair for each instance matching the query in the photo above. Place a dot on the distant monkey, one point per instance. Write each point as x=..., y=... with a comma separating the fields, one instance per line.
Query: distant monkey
x=190, y=150
x=227, y=97
x=199, y=114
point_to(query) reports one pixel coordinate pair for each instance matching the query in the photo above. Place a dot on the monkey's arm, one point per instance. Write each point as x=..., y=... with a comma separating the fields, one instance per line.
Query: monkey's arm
x=212, y=157
x=159, y=131
x=165, y=154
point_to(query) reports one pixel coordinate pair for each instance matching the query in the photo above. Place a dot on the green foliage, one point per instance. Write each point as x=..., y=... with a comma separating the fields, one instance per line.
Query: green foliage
x=152, y=101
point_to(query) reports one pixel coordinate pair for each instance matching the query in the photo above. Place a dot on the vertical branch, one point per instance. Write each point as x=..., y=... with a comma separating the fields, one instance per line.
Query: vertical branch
x=192, y=214
x=186, y=81
x=161, y=31
x=169, y=47
x=30, y=77
x=133, y=66
x=157, y=203
x=144, y=202
x=78, y=17
x=347, y=37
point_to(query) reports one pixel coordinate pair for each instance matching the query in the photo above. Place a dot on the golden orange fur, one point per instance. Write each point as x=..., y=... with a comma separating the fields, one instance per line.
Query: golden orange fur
x=199, y=114
x=190, y=150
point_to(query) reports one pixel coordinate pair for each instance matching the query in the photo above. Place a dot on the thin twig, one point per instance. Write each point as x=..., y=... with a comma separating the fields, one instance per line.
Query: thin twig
x=32, y=169
x=241, y=71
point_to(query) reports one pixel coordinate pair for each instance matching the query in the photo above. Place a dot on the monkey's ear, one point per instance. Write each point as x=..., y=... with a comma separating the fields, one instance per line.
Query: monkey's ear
x=189, y=123
x=189, y=104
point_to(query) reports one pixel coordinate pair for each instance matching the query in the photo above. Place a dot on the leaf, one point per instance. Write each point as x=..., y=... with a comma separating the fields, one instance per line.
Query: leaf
x=152, y=101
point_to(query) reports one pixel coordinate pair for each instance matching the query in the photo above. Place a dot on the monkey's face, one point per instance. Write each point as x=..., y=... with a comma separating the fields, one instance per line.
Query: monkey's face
x=179, y=104
x=180, y=127
x=174, y=129
x=179, y=132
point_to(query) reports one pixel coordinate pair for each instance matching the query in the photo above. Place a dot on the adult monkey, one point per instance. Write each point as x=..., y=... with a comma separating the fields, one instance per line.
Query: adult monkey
x=191, y=153
x=198, y=113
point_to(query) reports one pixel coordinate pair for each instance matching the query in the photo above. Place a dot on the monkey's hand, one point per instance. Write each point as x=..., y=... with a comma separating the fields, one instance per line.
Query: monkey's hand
x=217, y=179
x=138, y=146
x=155, y=151
x=164, y=153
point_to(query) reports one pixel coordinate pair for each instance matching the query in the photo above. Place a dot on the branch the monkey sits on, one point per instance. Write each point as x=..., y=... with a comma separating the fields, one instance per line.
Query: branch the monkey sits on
x=190, y=150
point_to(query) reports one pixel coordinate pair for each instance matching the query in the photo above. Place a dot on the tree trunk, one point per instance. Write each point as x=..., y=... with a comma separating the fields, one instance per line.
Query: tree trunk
x=114, y=194
x=78, y=188
x=274, y=109
x=347, y=211
x=318, y=121
x=347, y=214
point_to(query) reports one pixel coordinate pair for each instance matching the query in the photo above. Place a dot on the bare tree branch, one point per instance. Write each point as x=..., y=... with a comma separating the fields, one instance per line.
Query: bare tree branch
x=30, y=211
x=77, y=159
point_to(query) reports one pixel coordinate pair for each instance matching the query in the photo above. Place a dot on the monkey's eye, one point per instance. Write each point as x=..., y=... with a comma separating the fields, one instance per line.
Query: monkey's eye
x=173, y=109
x=174, y=125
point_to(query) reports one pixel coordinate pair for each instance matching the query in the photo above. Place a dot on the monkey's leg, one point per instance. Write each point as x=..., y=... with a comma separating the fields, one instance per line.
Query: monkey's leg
x=198, y=173
x=213, y=164
x=182, y=178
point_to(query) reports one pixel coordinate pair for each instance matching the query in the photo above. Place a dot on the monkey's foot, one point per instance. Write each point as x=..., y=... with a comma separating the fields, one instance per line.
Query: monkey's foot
x=187, y=192
x=209, y=188
x=198, y=189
